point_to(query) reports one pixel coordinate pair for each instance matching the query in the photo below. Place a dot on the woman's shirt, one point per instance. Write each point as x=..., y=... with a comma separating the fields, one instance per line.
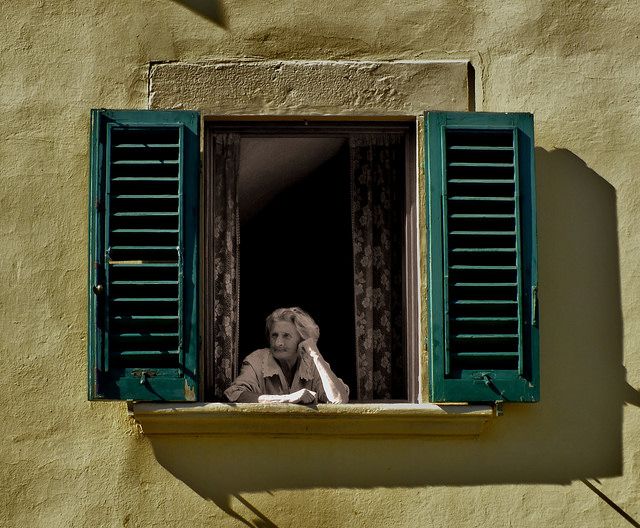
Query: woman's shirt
x=261, y=374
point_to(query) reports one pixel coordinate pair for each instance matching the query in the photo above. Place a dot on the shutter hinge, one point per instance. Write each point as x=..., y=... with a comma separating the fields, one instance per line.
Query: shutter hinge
x=534, y=305
x=99, y=205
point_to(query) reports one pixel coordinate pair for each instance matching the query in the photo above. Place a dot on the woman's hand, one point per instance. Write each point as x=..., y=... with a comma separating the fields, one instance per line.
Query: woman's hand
x=310, y=346
x=301, y=396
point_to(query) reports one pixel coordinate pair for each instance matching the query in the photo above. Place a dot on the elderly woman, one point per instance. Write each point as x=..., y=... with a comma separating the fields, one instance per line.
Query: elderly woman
x=292, y=369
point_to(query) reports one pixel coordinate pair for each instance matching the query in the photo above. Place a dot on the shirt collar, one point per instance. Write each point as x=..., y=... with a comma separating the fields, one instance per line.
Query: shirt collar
x=270, y=366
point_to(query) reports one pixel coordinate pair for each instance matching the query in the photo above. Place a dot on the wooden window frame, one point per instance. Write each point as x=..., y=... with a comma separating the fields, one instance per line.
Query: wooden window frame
x=303, y=126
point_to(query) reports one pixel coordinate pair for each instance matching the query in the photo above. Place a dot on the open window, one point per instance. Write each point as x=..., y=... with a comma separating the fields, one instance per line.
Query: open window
x=316, y=215
x=185, y=263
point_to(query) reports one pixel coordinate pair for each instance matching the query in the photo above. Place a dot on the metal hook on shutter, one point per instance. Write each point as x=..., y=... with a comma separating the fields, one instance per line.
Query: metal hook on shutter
x=144, y=375
x=488, y=381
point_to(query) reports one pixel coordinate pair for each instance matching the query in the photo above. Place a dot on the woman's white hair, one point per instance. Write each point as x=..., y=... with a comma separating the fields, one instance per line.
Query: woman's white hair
x=304, y=323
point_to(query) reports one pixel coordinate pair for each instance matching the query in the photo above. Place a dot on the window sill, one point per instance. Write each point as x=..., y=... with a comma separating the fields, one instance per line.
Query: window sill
x=350, y=420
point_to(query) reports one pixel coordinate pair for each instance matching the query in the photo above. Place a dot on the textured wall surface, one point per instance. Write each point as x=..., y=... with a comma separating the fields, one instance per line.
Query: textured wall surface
x=563, y=462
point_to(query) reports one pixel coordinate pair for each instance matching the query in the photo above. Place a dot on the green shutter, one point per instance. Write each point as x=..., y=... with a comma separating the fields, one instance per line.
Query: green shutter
x=483, y=334
x=143, y=233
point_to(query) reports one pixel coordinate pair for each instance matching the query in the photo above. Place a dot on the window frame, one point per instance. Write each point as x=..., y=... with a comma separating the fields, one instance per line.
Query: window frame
x=324, y=126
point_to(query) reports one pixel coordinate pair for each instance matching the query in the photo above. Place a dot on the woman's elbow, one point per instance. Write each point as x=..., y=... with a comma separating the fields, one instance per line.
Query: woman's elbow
x=342, y=397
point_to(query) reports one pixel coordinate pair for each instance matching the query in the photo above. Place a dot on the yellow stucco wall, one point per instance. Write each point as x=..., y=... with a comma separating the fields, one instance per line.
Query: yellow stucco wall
x=69, y=462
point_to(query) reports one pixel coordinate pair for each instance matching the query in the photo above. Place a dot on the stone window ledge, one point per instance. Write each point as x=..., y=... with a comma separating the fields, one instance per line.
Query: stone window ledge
x=350, y=420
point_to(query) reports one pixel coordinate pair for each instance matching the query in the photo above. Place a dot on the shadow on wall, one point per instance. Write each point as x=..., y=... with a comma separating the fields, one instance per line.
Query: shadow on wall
x=575, y=432
x=210, y=9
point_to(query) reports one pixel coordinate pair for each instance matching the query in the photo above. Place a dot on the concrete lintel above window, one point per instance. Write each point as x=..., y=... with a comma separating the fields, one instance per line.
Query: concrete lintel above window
x=338, y=88
x=348, y=421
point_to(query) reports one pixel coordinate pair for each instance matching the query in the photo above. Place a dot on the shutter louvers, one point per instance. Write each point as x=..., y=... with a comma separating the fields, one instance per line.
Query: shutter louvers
x=149, y=217
x=483, y=270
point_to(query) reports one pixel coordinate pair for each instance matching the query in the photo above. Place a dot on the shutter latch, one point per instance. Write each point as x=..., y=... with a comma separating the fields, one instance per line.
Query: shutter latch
x=534, y=305
x=143, y=375
x=487, y=379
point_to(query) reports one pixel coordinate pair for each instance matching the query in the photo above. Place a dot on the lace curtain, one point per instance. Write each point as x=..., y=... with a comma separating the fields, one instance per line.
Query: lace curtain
x=377, y=166
x=222, y=279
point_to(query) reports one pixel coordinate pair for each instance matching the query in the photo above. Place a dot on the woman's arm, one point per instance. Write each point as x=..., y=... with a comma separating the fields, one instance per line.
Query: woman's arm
x=334, y=387
x=301, y=396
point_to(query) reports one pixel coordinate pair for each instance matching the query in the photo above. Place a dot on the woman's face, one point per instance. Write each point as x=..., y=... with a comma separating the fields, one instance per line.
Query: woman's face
x=284, y=340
